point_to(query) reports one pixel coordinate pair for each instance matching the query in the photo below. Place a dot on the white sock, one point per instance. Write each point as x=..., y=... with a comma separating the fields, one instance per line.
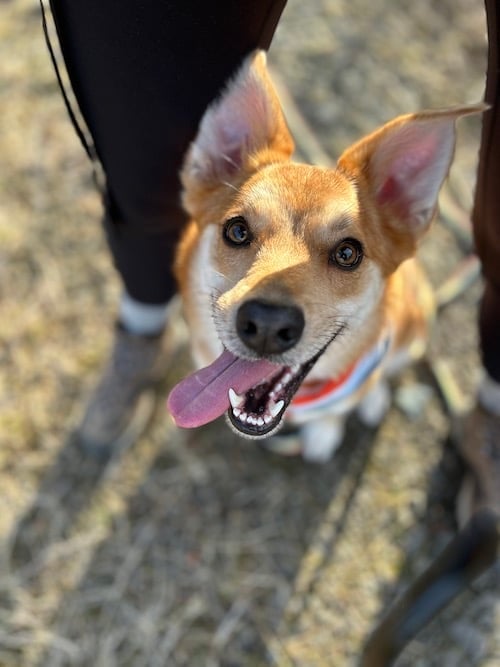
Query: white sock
x=489, y=395
x=142, y=319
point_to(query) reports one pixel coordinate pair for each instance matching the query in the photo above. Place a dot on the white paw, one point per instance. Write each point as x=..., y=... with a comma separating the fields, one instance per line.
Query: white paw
x=321, y=438
x=375, y=404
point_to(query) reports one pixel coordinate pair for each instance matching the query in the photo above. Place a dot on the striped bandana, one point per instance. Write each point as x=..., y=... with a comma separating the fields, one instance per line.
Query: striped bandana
x=322, y=396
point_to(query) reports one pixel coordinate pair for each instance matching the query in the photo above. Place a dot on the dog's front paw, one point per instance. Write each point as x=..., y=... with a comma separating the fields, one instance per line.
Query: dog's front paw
x=375, y=404
x=321, y=438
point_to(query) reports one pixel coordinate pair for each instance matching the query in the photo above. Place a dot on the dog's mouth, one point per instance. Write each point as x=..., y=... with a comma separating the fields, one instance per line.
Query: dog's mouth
x=258, y=412
x=254, y=394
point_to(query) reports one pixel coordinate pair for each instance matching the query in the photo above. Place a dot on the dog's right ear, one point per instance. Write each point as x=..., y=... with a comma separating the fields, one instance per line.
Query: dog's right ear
x=245, y=120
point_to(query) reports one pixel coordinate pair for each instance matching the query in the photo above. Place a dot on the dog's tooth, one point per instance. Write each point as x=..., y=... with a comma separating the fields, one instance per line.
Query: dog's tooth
x=260, y=421
x=236, y=412
x=235, y=399
x=276, y=408
x=268, y=419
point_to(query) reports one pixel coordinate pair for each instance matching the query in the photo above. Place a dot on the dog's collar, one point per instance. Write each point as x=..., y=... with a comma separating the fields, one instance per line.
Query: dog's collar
x=319, y=397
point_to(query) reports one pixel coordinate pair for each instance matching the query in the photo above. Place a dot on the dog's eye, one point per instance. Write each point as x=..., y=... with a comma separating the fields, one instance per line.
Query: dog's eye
x=236, y=232
x=347, y=254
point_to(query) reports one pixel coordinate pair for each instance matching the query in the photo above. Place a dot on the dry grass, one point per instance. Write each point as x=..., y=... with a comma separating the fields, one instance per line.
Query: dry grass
x=195, y=549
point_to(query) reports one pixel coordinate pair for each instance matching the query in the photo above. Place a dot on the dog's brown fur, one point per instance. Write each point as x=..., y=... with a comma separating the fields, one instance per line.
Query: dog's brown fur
x=382, y=193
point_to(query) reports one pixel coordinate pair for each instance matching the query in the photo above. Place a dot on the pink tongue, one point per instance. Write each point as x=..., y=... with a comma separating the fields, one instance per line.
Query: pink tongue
x=203, y=396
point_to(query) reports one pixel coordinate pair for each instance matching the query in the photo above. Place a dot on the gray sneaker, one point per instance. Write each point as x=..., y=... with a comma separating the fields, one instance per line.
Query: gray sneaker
x=479, y=446
x=124, y=400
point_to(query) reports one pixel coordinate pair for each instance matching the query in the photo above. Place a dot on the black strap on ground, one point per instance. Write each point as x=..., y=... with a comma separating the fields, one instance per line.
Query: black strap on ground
x=473, y=551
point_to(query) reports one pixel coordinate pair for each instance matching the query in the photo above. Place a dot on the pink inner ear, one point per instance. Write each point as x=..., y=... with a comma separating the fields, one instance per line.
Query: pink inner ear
x=393, y=194
x=233, y=142
x=389, y=192
x=240, y=122
x=410, y=165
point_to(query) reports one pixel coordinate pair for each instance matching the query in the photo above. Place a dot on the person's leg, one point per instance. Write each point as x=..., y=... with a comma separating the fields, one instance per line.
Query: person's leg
x=486, y=214
x=143, y=74
x=481, y=438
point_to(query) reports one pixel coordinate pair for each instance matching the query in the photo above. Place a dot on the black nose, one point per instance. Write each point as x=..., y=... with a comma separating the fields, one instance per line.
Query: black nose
x=267, y=328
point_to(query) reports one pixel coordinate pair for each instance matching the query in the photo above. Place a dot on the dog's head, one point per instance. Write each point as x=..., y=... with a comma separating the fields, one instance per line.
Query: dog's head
x=296, y=257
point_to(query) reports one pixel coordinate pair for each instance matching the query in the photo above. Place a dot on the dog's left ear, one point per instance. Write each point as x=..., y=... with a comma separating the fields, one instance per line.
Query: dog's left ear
x=404, y=163
x=247, y=118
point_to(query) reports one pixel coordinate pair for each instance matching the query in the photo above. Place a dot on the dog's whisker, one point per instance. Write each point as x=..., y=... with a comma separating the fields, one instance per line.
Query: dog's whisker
x=230, y=185
x=229, y=160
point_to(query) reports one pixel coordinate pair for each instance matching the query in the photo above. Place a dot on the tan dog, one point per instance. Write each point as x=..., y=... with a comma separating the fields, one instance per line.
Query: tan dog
x=297, y=281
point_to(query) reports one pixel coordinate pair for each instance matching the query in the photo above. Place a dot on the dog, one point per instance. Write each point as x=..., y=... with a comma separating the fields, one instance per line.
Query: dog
x=299, y=283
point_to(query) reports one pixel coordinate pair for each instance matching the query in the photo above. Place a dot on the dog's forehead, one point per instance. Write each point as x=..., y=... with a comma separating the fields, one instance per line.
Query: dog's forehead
x=299, y=193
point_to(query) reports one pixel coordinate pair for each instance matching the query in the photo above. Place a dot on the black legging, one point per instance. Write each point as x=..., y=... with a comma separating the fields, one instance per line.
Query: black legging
x=486, y=214
x=143, y=72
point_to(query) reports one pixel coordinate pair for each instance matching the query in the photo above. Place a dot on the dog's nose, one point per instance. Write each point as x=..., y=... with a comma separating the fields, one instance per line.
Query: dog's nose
x=267, y=328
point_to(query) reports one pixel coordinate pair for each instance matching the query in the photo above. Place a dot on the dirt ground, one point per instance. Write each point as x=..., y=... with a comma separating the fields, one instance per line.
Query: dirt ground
x=195, y=548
